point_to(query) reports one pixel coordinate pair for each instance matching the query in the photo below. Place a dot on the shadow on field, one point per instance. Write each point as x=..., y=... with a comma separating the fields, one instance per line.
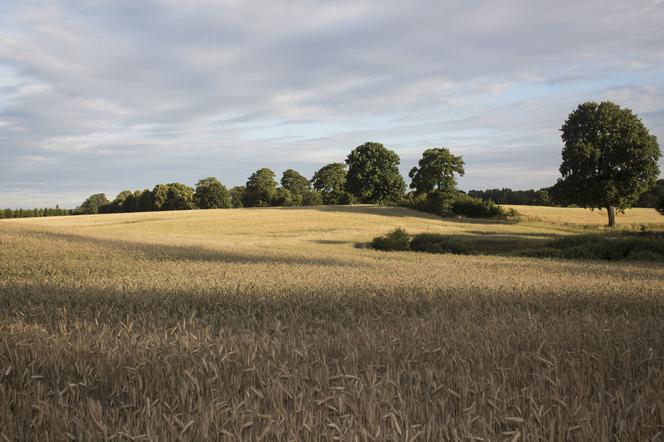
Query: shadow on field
x=165, y=252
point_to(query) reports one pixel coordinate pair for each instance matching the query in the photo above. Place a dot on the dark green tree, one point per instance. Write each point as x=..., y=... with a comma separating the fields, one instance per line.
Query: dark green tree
x=260, y=189
x=436, y=172
x=237, y=194
x=652, y=197
x=296, y=184
x=312, y=198
x=609, y=158
x=373, y=174
x=211, y=194
x=330, y=181
x=93, y=204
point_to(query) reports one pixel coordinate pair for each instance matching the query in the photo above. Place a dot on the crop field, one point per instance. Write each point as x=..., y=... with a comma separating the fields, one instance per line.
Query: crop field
x=272, y=324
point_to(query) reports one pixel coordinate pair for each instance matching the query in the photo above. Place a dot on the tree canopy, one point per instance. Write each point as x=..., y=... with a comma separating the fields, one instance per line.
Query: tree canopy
x=609, y=158
x=436, y=172
x=330, y=181
x=211, y=194
x=260, y=188
x=297, y=185
x=373, y=173
x=93, y=204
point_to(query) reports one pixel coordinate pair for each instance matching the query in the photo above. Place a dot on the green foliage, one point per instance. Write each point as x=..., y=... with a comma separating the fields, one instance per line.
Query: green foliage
x=634, y=247
x=93, y=204
x=518, y=197
x=211, y=194
x=312, y=198
x=373, y=174
x=296, y=184
x=261, y=188
x=436, y=243
x=609, y=158
x=159, y=196
x=173, y=196
x=467, y=206
x=35, y=213
x=395, y=241
x=435, y=203
x=284, y=197
x=330, y=181
x=660, y=206
x=179, y=197
x=652, y=197
x=237, y=195
x=436, y=172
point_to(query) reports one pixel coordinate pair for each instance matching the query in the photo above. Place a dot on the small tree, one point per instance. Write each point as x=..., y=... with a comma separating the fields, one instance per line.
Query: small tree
x=436, y=172
x=373, y=173
x=609, y=158
x=93, y=204
x=330, y=181
x=211, y=194
x=260, y=189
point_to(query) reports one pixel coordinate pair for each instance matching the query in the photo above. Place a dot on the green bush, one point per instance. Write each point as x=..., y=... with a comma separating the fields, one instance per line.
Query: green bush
x=397, y=240
x=470, y=207
x=436, y=243
x=457, y=204
x=639, y=247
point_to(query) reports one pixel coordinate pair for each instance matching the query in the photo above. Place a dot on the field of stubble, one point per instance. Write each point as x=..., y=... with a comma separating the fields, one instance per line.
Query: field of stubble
x=268, y=324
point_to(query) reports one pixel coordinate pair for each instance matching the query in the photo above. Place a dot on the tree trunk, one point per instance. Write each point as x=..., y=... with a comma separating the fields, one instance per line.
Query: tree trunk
x=612, y=216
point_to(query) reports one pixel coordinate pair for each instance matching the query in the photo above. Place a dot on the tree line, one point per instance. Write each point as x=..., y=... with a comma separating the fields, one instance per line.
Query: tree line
x=609, y=161
x=34, y=213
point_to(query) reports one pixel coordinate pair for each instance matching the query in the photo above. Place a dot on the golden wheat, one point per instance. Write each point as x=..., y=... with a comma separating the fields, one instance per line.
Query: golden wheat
x=268, y=324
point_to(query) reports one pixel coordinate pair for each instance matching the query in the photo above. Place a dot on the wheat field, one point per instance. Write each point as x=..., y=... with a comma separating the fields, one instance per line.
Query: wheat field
x=270, y=324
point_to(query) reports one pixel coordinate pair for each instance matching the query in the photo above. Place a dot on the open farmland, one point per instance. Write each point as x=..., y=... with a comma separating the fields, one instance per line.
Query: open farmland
x=269, y=324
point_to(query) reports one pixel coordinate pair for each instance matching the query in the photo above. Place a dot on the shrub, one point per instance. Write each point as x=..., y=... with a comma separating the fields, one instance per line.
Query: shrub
x=312, y=198
x=642, y=247
x=345, y=198
x=470, y=207
x=396, y=240
x=436, y=243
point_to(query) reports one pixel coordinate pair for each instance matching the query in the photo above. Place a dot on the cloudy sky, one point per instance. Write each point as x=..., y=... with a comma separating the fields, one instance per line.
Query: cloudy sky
x=103, y=95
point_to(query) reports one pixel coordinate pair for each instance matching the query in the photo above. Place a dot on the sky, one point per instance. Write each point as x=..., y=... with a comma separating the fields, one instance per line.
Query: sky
x=106, y=95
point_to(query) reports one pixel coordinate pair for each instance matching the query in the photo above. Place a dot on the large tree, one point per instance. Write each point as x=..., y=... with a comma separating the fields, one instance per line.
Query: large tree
x=609, y=158
x=330, y=181
x=373, y=173
x=211, y=194
x=436, y=172
x=260, y=189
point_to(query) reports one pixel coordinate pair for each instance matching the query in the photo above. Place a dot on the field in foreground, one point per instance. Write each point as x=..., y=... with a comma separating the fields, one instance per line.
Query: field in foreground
x=269, y=324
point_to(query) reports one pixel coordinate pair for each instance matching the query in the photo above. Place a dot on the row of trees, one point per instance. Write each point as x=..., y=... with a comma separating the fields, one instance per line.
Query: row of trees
x=370, y=174
x=609, y=160
x=34, y=213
